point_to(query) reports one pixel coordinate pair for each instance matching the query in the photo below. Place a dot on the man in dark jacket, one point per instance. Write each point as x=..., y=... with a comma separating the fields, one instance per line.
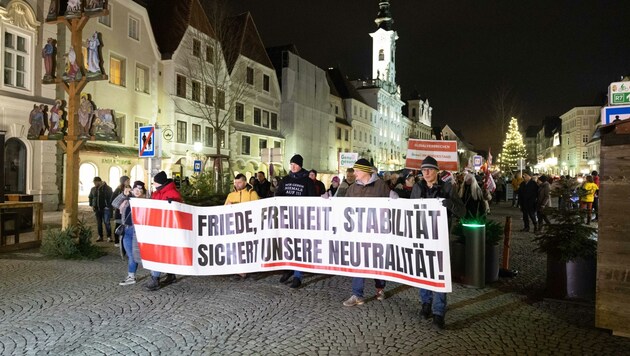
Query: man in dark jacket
x=263, y=186
x=432, y=187
x=296, y=184
x=164, y=189
x=528, y=198
x=100, y=201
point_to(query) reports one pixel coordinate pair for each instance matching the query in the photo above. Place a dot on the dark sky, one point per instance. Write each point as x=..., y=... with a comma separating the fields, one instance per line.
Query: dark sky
x=552, y=55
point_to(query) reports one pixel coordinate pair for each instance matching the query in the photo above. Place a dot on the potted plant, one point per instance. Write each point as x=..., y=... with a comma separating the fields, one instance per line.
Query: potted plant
x=571, y=247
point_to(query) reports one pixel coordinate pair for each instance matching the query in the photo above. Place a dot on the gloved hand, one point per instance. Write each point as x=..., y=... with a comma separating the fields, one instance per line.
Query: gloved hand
x=447, y=203
x=170, y=200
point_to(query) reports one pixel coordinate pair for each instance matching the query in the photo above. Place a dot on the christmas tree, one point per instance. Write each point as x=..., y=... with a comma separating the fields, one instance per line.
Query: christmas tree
x=513, y=147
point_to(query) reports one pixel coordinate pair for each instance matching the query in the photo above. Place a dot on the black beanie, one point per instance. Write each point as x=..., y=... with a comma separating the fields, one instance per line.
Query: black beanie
x=363, y=165
x=297, y=159
x=429, y=162
x=160, y=178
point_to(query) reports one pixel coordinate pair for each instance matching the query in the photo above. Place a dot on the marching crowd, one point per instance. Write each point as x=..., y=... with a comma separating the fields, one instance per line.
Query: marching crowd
x=465, y=195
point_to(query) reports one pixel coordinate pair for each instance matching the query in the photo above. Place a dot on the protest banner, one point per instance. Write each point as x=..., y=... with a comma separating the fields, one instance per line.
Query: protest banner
x=401, y=240
x=445, y=152
x=347, y=159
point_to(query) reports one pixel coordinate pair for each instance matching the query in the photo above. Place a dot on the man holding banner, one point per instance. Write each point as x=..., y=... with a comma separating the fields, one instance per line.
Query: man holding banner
x=298, y=184
x=432, y=187
x=367, y=184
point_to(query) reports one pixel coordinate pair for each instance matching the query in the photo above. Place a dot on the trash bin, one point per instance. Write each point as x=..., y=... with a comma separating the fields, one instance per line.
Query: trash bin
x=475, y=265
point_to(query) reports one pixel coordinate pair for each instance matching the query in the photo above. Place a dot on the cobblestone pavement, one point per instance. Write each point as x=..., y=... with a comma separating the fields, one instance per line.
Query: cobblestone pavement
x=56, y=307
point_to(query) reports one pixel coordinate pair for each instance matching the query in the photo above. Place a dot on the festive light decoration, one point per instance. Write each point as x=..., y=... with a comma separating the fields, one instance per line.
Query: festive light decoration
x=513, y=147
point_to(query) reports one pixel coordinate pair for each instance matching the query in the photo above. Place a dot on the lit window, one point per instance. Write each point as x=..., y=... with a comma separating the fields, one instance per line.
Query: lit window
x=117, y=70
x=134, y=28
x=142, y=79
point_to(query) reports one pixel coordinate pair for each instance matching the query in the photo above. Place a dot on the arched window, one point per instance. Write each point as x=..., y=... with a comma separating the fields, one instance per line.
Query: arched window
x=137, y=173
x=87, y=172
x=114, y=176
x=15, y=166
x=381, y=55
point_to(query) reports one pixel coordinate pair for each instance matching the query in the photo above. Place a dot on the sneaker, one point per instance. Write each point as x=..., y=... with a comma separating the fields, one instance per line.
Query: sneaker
x=109, y=239
x=426, y=310
x=354, y=300
x=238, y=277
x=170, y=279
x=100, y=239
x=153, y=285
x=380, y=294
x=116, y=245
x=296, y=283
x=438, y=322
x=285, y=276
x=129, y=280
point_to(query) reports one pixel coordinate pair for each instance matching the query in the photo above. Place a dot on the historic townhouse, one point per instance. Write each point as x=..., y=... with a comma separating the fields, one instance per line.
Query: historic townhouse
x=578, y=126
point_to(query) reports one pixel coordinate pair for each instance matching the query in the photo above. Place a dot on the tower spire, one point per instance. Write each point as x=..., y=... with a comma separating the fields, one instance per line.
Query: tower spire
x=384, y=18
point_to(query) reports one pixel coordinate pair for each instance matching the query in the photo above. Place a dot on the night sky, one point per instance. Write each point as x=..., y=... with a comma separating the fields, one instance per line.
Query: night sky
x=552, y=55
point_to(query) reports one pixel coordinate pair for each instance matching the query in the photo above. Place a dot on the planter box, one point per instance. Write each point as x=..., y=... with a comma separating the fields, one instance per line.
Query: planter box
x=574, y=279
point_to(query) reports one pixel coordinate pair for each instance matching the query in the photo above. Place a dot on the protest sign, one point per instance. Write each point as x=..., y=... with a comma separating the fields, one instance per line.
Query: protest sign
x=401, y=240
x=445, y=152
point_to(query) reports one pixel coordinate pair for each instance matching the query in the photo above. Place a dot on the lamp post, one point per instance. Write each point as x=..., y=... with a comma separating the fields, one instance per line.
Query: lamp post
x=2, y=134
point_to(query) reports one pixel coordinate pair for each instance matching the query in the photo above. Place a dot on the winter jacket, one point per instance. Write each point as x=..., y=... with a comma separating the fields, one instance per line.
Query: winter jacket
x=528, y=195
x=296, y=184
x=241, y=196
x=101, y=197
x=167, y=191
x=543, y=195
x=343, y=188
x=590, y=189
x=263, y=189
x=375, y=187
x=452, y=202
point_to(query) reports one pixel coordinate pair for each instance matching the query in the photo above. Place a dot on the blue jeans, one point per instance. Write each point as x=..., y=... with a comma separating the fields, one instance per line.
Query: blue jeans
x=103, y=216
x=297, y=274
x=358, y=283
x=128, y=245
x=436, y=299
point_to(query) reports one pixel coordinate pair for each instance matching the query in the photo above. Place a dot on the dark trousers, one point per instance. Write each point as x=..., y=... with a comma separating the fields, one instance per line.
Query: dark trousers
x=529, y=213
x=103, y=216
x=542, y=217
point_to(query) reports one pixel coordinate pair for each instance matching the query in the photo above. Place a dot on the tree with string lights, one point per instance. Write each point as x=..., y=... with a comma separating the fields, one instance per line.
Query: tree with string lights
x=513, y=147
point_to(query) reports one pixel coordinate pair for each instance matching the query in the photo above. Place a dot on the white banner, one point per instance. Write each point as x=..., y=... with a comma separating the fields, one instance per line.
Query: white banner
x=401, y=240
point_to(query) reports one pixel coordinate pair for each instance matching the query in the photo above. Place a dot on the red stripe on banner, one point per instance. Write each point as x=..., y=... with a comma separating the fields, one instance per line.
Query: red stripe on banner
x=162, y=218
x=355, y=270
x=173, y=255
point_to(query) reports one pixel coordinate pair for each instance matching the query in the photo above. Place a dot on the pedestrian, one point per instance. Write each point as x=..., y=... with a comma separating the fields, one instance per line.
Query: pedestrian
x=252, y=182
x=544, y=198
x=320, y=188
x=124, y=181
x=297, y=184
x=263, y=186
x=334, y=186
x=474, y=198
x=274, y=186
x=405, y=186
x=434, y=303
x=367, y=184
x=129, y=239
x=242, y=193
x=164, y=190
x=348, y=181
x=100, y=200
x=528, y=197
x=516, y=183
x=587, y=196
x=596, y=199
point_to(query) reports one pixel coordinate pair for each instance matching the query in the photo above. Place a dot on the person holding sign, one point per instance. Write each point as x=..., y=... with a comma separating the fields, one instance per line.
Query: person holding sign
x=296, y=184
x=434, y=303
x=367, y=184
x=242, y=193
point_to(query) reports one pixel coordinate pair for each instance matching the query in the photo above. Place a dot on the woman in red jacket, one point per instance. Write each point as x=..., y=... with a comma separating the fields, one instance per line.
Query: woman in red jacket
x=164, y=189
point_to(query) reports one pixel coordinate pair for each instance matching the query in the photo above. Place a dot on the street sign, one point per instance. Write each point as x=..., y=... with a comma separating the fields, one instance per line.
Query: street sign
x=197, y=166
x=477, y=162
x=146, y=141
x=347, y=159
x=619, y=93
x=613, y=113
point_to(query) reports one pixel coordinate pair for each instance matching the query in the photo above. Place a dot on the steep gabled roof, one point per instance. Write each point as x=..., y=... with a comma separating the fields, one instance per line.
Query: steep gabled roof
x=342, y=85
x=245, y=40
x=170, y=20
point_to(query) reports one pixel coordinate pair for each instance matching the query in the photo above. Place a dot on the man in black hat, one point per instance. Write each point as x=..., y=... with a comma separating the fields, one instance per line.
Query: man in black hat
x=434, y=303
x=100, y=200
x=296, y=184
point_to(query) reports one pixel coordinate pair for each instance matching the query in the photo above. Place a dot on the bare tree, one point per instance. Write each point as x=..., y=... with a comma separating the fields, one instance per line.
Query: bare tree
x=215, y=79
x=504, y=104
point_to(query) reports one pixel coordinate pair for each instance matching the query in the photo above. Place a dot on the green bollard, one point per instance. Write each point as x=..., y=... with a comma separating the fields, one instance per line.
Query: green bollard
x=475, y=251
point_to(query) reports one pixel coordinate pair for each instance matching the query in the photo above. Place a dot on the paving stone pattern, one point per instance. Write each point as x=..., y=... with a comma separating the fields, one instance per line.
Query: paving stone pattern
x=57, y=307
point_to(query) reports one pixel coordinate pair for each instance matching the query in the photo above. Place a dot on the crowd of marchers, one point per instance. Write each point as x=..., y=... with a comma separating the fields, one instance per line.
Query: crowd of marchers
x=465, y=195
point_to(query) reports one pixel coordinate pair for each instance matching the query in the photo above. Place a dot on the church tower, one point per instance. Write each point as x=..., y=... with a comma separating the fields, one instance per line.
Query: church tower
x=384, y=45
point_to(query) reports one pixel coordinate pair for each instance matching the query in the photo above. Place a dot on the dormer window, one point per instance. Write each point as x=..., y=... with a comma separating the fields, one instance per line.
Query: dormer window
x=381, y=55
